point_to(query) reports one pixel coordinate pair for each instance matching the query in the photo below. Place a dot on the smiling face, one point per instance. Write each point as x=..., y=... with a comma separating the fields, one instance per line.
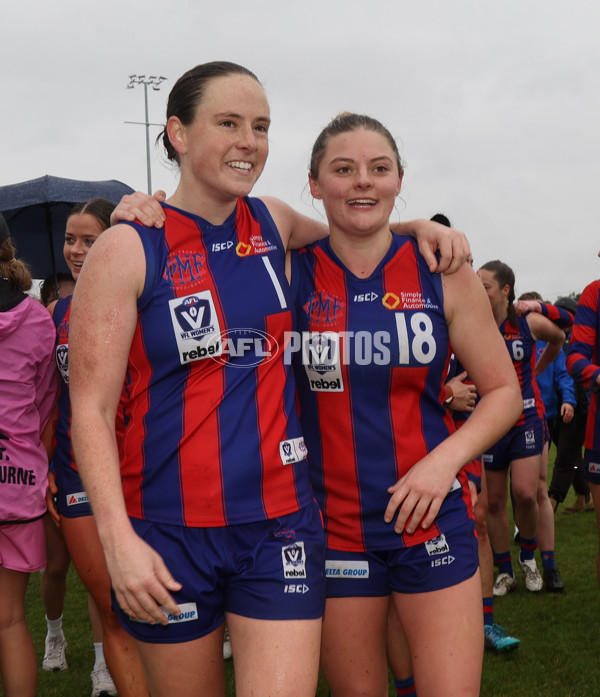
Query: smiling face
x=358, y=181
x=82, y=231
x=224, y=149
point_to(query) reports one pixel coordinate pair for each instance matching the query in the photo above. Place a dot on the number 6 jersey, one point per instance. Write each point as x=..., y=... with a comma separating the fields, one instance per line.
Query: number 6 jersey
x=370, y=360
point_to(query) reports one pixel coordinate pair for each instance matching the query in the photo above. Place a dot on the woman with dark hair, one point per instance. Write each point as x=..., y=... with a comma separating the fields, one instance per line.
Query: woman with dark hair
x=204, y=506
x=520, y=450
x=28, y=385
x=116, y=658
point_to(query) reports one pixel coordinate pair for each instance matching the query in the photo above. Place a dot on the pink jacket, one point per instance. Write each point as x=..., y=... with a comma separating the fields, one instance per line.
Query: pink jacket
x=28, y=385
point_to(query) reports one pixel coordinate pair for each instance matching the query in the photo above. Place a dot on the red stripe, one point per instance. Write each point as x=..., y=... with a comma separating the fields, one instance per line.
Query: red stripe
x=272, y=419
x=139, y=374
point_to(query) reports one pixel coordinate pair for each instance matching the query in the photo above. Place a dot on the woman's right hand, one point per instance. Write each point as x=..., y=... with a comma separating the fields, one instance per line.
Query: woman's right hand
x=141, y=580
x=51, y=492
x=142, y=207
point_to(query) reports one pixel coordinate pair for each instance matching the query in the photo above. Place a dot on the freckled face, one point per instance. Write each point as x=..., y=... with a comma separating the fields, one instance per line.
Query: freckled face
x=82, y=231
x=358, y=181
x=225, y=148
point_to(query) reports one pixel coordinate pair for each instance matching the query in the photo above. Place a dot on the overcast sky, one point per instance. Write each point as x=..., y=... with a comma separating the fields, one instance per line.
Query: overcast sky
x=496, y=106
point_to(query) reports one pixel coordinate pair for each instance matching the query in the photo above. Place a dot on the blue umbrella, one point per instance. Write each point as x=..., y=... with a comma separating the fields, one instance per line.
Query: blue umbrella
x=36, y=212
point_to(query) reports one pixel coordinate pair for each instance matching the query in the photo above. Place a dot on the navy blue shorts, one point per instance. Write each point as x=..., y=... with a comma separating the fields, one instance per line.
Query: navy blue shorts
x=520, y=442
x=71, y=500
x=591, y=466
x=270, y=570
x=439, y=563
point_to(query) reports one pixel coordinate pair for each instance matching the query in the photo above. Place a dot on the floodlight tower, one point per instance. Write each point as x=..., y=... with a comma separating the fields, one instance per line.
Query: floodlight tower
x=154, y=82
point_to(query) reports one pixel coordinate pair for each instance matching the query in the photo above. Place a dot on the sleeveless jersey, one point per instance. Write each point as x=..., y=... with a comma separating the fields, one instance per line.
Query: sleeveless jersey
x=583, y=360
x=521, y=347
x=63, y=452
x=212, y=435
x=370, y=360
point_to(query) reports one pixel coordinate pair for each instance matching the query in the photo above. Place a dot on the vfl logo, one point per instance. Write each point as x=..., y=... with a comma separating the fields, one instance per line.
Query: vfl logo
x=294, y=560
x=437, y=546
x=594, y=467
x=321, y=352
x=529, y=437
x=292, y=450
x=321, y=357
x=193, y=316
x=196, y=327
x=62, y=361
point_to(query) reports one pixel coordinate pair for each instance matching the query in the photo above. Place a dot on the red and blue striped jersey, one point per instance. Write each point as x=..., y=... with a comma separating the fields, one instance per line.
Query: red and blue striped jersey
x=583, y=359
x=561, y=317
x=521, y=347
x=212, y=435
x=370, y=363
x=63, y=451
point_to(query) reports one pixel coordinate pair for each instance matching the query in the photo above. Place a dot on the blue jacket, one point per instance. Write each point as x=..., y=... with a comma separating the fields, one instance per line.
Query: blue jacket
x=556, y=385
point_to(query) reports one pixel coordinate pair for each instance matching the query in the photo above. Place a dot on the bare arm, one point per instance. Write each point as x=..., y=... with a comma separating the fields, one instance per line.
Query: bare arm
x=103, y=321
x=432, y=237
x=142, y=207
x=479, y=347
x=542, y=328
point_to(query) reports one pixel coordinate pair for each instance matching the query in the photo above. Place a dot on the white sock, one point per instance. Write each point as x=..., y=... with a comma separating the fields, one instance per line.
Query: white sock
x=55, y=627
x=99, y=654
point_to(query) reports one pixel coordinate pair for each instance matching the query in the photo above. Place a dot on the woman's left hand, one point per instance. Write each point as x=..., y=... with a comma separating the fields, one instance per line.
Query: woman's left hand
x=419, y=496
x=452, y=245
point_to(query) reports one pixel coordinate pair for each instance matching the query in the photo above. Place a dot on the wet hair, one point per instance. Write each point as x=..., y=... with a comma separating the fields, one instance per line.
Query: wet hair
x=505, y=276
x=100, y=208
x=441, y=219
x=345, y=123
x=50, y=285
x=531, y=295
x=15, y=271
x=188, y=92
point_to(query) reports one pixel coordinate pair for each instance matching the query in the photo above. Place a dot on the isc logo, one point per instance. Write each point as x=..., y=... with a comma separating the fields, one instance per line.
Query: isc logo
x=365, y=297
x=443, y=561
x=296, y=588
x=220, y=246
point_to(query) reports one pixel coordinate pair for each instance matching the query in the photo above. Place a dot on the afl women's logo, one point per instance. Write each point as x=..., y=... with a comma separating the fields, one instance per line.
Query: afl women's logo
x=62, y=361
x=195, y=323
x=193, y=316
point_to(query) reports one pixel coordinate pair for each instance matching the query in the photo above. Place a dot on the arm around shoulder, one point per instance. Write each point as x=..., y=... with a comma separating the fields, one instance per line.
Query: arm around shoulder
x=296, y=230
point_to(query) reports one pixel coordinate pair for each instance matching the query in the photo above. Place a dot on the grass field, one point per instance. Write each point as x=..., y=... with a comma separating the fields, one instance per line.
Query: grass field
x=559, y=654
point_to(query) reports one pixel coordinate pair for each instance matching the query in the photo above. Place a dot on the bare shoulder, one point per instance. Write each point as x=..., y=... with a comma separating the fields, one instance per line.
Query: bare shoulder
x=116, y=260
x=282, y=215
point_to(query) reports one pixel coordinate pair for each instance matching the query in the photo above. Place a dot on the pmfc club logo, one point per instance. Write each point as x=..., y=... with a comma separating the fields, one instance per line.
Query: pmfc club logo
x=324, y=308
